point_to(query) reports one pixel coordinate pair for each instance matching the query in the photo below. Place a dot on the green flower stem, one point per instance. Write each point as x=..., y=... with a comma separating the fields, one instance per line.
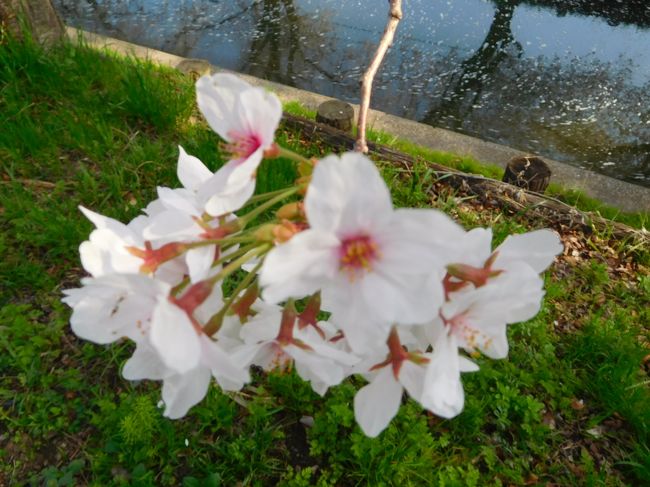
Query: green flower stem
x=289, y=154
x=250, y=216
x=214, y=324
x=264, y=196
x=220, y=241
x=176, y=290
x=238, y=262
x=237, y=253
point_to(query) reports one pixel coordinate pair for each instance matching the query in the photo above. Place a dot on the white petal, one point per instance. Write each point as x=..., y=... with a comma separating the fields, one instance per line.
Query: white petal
x=378, y=402
x=212, y=304
x=113, y=306
x=230, y=187
x=347, y=195
x=244, y=171
x=182, y=391
x=171, y=224
x=224, y=203
x=230, y=375
x=216, y=184
x=191, y=171
x=199, y=262
x=179, y=199
x=538, y=249
x=298, y=267
x=475, y=247
x=217, y=96
x=101, y=221
x=411, y=376
x=92, y=259
x=268, y=355
x=443, y=392
x=467, y=365
x=262, y=111
x=311, y=366
x=324, y=349
x=497, y=345
x=399, y=299
x=144, y=364
x=418, y=239
x=262, y=327
x=363, y=330
x=174, y=337
x=105, y=253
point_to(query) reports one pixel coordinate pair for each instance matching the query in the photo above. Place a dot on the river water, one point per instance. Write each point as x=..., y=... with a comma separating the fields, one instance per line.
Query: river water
x=567, y=79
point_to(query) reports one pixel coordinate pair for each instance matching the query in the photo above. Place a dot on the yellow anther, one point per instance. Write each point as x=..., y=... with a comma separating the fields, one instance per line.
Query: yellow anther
x=358, y=254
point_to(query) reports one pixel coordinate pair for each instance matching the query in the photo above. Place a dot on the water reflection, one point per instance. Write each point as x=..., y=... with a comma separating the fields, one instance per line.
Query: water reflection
x=463, y=90
x=547, y=76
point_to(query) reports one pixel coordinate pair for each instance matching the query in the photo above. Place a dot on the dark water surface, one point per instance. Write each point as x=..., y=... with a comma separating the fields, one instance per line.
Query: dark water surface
x=566, y=79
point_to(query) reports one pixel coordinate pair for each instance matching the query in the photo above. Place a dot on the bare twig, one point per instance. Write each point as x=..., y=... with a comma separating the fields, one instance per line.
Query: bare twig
x=394, y=16
x=31, y=182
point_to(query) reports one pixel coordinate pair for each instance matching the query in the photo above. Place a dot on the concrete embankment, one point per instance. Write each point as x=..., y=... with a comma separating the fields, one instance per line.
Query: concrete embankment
x=622, y=195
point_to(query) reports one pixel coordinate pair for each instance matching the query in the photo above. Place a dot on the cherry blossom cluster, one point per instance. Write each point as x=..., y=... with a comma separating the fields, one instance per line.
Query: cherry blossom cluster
x=335, y=282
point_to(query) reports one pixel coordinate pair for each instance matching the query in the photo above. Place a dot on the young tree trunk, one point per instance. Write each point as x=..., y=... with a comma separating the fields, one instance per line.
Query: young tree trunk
x=394, y=16
x=38, y=16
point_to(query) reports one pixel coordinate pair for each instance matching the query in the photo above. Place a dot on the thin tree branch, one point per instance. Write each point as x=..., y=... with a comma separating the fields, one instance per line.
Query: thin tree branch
x=394, y=16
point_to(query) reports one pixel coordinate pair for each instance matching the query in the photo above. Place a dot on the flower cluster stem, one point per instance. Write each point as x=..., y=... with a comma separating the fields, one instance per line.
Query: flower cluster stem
x=213, y=325
x=250, y=216
x=265, y=196
x=289, y=154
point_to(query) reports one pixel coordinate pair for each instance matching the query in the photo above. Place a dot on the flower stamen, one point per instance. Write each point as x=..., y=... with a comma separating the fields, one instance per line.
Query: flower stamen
x=357, y=254
x=241, y=145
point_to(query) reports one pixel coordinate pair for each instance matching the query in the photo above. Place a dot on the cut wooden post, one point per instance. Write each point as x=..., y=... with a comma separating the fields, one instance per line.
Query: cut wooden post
x=528, y=172
x=337, y=114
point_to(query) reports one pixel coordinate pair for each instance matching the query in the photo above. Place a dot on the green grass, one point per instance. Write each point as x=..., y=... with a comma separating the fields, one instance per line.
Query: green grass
x=85, y=127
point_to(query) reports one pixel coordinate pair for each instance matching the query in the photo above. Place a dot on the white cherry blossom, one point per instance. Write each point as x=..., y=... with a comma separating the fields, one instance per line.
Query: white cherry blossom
x=111, y=249
x=375, y=266
x=180, y=214
x=537, y=249
x=477, y=317
x=316, y=360
x=110, y=307
x=246, y=117
x=171, y=345
x=443, y=393
x=389, y=370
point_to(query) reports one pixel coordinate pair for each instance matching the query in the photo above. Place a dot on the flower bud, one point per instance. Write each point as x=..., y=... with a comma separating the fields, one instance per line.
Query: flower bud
x=285, y=230
x=306, y=168
x=265, y=233
x=272, y=152
x=292, y=211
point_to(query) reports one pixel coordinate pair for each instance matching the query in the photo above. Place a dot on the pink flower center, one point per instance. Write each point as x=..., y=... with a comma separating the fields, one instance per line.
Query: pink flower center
x=460, y=326
x=242, y=145
x=279, y=360
x=357, y=254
